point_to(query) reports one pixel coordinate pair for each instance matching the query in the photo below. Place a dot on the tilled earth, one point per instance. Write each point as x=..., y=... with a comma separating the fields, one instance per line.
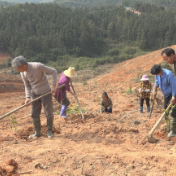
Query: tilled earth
x=101, y=145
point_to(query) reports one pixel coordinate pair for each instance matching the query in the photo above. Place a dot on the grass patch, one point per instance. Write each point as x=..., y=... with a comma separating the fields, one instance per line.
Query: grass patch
x=73, y=109
x=129, y=90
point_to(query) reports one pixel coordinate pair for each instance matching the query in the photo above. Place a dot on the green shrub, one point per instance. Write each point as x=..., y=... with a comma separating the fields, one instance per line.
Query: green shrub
x=113, y=52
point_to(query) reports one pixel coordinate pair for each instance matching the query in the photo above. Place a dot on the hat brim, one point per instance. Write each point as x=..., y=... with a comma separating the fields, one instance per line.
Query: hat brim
x=67, y=73
x=145, y=79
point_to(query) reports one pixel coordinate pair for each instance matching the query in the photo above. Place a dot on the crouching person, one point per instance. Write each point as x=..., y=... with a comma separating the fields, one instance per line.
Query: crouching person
x=167, y=83
x=105, y=104
x=36, y=84
x=60, y=94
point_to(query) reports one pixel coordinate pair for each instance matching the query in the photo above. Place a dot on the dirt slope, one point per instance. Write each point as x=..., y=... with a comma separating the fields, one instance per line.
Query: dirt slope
x=100, y=145
x=129, y=70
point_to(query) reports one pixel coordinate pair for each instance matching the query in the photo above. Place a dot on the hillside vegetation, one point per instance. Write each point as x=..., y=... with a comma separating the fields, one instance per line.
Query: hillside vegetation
x=98, y=3
x=84, y=36
x=93, y=3
x=5, y=3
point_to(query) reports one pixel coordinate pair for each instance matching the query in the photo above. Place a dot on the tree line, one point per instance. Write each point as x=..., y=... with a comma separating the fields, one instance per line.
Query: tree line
x=49, y=32
x=99, y=3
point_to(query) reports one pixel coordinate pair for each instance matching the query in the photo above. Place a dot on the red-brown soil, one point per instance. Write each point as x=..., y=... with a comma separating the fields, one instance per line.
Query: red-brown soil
x=102, y=144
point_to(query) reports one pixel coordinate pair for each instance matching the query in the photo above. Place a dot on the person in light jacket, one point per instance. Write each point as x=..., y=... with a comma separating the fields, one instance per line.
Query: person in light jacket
x=36, y=84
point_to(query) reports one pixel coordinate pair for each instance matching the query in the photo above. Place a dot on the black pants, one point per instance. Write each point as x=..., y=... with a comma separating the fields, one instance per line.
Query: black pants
x=65, y=101
x=36, y=106
x=166, y=103
x=142, y=101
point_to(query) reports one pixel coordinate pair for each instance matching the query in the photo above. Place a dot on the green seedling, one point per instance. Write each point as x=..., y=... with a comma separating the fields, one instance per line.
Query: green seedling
x=129, y=90
x=168, y=115
x=13, y=124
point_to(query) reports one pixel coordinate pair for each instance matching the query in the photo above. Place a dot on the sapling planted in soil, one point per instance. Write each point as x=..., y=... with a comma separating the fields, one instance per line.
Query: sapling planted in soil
x=13, y=124
x=168, y=115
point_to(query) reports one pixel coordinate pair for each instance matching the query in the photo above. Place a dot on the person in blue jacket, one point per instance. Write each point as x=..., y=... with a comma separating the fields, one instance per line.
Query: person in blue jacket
x=166, y=81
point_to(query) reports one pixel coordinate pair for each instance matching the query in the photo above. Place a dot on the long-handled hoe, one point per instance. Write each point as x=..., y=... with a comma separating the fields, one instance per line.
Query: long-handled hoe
x=30, y=102
x=77, y=99
x=150, y=137
x=154, y=97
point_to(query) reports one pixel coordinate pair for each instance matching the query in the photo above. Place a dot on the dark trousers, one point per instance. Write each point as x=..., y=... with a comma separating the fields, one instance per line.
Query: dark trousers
x=166, y=103
x=36, y=106
x=65, y=101
x=142, y=101
x=108, y=110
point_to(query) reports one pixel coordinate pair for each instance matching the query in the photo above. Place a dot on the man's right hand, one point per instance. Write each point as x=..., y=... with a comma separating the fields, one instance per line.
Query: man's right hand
x=27, y=101
x=173, y=100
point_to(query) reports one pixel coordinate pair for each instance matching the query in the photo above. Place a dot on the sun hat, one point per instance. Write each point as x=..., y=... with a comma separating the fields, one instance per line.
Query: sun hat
x=70, y=72
x=144, y=78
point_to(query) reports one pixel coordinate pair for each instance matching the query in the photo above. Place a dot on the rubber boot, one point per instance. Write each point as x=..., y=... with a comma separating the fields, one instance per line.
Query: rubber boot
x=37, y=128
x=141, y=109
x=63, y=111
x=50, y=127
x=172, y=133
x=148, y=109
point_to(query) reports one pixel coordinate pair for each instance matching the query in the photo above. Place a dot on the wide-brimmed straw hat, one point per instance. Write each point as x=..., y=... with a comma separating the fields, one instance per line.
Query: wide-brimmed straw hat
x=70, y=72
x=144, y=78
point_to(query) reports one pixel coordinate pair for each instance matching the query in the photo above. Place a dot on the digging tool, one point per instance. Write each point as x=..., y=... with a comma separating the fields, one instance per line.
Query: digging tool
x=30, y=102
x=154, y=97
x=150, y=137
x=77, y=99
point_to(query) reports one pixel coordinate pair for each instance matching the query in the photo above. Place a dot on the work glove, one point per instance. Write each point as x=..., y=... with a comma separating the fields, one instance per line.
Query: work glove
x=147, y=90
